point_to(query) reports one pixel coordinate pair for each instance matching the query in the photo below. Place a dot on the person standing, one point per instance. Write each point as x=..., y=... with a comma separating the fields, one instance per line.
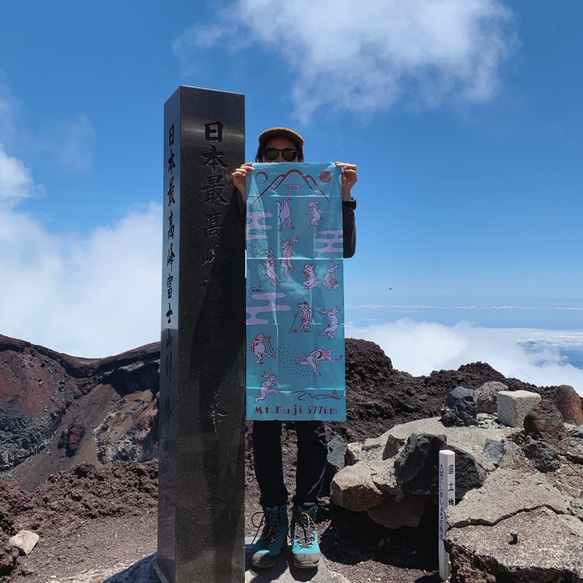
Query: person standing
x=282, y=144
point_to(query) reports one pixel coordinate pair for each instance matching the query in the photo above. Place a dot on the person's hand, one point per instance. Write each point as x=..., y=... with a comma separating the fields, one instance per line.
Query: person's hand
x=240, y=178
x=349, y=178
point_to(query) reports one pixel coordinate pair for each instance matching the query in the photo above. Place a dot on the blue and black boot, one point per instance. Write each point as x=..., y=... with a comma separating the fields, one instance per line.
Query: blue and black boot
x=305, y=548
x=273, y=537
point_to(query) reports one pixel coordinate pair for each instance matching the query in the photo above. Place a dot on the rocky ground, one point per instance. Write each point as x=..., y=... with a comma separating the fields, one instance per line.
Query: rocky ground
x=95, y=520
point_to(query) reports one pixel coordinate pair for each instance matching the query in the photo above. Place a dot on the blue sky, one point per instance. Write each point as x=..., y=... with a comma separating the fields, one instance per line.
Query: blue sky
x=465, y=118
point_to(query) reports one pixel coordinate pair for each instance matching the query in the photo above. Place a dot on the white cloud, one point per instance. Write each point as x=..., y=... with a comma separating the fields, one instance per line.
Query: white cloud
x=90, y=297
x=529, y=355
x=16, y=181
x=366, y=57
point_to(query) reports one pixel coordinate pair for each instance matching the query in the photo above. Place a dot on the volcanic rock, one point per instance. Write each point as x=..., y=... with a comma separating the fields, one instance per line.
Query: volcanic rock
x=24, y=541
x=8, y=555
x=376, y=482
x=568, y=402
x=545, y=423
x=486, y=396
x=574, y=450
x=506, y=492
x=460, y=408
x=354, y=488
x=543, y=456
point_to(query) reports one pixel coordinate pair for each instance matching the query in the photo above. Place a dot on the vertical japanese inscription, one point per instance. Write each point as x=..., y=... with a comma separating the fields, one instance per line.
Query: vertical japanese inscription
x=170, y=298
x=446, y=498
x=213, y=194
x=167, y=398
x=213, y=161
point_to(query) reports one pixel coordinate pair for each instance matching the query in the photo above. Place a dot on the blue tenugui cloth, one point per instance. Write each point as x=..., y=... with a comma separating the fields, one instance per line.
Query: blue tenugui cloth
x=295, y=296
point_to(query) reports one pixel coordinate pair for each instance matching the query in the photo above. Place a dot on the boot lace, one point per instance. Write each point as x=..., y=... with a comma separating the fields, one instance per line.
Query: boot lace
x=304, y=530
x=272, y=522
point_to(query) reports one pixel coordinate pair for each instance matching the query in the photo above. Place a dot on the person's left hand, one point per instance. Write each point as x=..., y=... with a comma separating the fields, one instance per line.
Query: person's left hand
x=240, y=178
x=349, y=178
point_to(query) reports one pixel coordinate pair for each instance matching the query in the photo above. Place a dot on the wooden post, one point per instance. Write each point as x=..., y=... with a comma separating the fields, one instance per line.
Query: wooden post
x=446, y=498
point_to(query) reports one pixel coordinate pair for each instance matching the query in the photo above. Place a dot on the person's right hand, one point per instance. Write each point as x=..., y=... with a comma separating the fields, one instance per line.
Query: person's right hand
x=240, y=178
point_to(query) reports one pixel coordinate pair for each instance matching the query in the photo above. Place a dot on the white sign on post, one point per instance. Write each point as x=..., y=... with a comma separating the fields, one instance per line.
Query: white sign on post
x=446, y=498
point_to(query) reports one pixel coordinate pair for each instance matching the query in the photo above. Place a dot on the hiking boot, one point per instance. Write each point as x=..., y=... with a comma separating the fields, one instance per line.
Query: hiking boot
x=305, y=548
x=273, y=537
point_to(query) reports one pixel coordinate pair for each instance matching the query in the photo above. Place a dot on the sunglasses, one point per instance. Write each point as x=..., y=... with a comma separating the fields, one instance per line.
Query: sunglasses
x=288, y=154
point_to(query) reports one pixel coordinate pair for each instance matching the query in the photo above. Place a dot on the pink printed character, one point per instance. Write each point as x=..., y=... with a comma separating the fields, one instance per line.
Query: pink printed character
x=310, y=279
x=270, y=268
x=333, y=322
x=305, y=315
x=315, y=357
x=314, y=207
x=285, y=214
x=267, y=386
x=330, y=281
x=286, y=252
x=261, y=346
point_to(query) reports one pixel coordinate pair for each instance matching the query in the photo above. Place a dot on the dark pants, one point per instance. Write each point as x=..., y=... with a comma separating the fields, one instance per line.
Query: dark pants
x=311, y=463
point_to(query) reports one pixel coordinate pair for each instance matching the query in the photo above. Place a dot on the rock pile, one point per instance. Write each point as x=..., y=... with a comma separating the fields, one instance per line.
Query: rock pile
x=519, y=510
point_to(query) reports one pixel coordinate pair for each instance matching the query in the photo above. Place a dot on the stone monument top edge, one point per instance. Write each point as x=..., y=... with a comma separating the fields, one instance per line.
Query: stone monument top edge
x=189, y=87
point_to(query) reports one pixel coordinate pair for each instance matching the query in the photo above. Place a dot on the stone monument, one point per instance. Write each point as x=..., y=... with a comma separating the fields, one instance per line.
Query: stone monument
x=201, y=401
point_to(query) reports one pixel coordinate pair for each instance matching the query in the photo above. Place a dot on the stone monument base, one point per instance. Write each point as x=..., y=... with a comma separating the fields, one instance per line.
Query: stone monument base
x=147, y=571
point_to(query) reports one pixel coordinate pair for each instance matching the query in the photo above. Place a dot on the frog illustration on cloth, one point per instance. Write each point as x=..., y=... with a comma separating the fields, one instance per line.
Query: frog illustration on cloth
x=286, y=252
x=310, y=279
x=315, y=357
x=261, y=346
x=267, y=386
x=306, y=313
x=314, y=207
x=270, y=268
x=285, y=214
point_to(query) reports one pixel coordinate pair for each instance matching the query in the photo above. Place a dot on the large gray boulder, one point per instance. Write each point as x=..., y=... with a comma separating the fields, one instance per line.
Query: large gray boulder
x=392, y=477
x=518, y=527
x=354, y=488
x=547, y=549
x=505, y=493
x=472, y=440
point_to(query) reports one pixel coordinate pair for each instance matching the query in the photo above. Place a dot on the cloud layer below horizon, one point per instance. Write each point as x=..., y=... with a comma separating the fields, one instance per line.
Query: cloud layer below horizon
x=530, y=355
